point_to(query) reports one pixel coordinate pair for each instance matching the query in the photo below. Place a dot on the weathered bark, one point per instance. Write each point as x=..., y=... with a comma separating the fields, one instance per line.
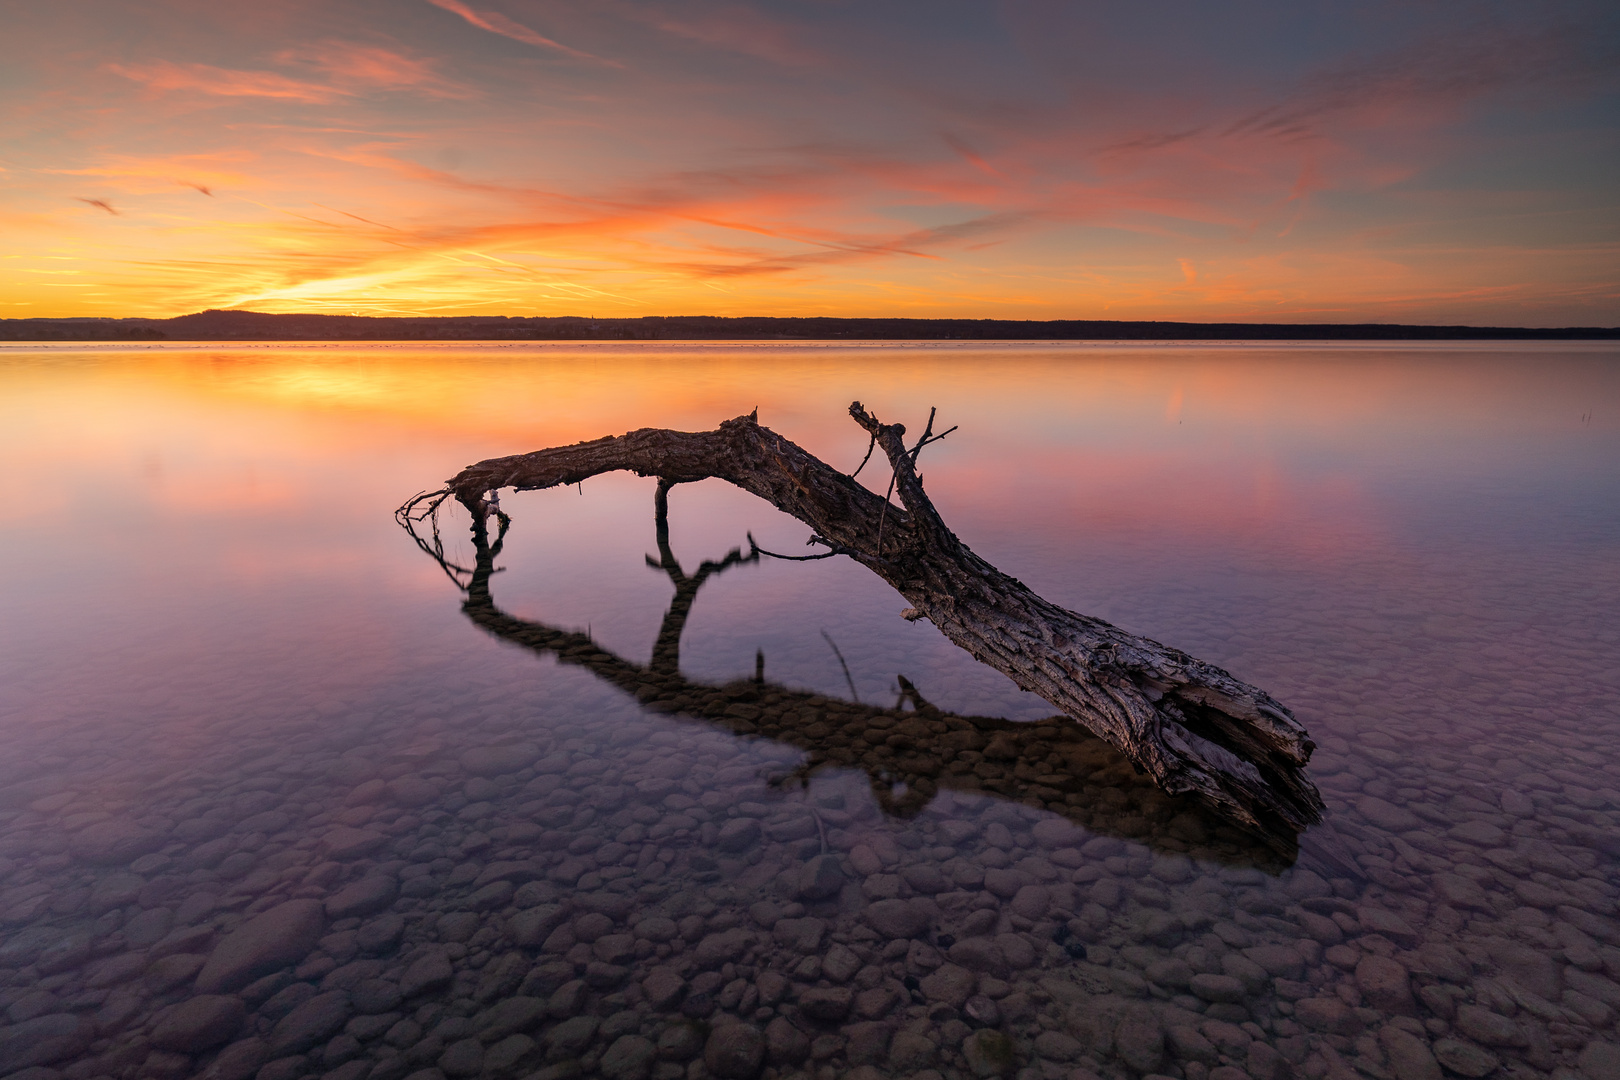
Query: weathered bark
x=1190, y=725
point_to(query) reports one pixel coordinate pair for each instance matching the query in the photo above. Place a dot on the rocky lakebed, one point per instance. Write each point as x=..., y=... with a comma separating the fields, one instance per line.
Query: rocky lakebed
x=658, y=896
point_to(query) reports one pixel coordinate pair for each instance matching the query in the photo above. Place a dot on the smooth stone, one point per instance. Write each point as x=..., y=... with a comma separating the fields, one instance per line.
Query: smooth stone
x=1032, y=902
x=464, y=1057
x=1458, y=891
x=315, y=1021
x=1385, y=984
x=989, y=1053
x=1328, y=1014
x=1409, y=1057
x=490, y=761
x=1250, y=974
x=980, y=954
x=173, y=970
x=367, y=896
x=115, y=842
x=925, y=879
x=1386, y=815
x=148, y=928
x=1464, y=1058
x=820, y=878
x=199, y=1023
x=1277, y=960
x=897, y=918
x=380, y=933
x=735, y=1052
x=510, y=1016
x=1600, y=1060
x=1005, y=883
x=826, y=1004
x=1378, y=921
x=532, y=926
x=1213, y=987
x=344, y=842
x=119, y=969
x=738, y=835
x=1172, y=974
x=680, y=1041
x=1139, y=1041
x=426, y=972
x=1532, y=969
x=238, y=1061
x=784, y=1043
x=910, y=1052
x=497, y=894
x=1189, y=1044
x=950, y=984
x=116, y=890
x=1056, y=1046
x=44, y=1040
x=1481, y=833
x=373, y=997
x=802, y=935
x=982, y=1011
x=1491, y=1028
x=412, y=791
x=571, y=1036
x=275, y=939
x=664, y=987
x=1057, y=833
x=725, y=947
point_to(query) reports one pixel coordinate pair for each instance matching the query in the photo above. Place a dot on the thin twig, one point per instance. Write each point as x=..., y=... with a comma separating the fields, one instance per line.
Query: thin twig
x=885, y=513
x=828, y=639
x=756, y=551
x=869, y=448
x=928, y=435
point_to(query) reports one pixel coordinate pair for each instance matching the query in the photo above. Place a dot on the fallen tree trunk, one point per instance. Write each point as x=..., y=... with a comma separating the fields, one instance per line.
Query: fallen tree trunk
x=1190, y=725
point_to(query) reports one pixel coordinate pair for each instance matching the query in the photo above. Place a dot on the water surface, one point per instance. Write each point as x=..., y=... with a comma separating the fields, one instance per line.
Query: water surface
x=239, y=708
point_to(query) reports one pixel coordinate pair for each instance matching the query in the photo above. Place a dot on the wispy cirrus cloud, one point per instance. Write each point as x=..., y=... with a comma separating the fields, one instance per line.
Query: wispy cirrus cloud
x=349, y=70
x=164, y=75
x=496, y=23
x=357, y=67
x=734, y=28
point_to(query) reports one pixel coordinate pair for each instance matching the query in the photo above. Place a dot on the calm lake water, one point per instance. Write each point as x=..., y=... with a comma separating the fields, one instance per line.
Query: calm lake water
x=273, y=806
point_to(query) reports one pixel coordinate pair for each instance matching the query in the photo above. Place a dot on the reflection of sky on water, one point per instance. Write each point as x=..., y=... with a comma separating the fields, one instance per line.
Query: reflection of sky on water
x=211, y=520
x=220, y=651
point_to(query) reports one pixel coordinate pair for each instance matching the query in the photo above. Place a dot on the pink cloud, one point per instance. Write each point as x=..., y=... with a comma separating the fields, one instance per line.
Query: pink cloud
x=496, y=23
x=224, y=82
x=370, y=66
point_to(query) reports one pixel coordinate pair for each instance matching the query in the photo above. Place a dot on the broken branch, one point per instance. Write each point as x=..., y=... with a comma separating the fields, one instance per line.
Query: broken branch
x=1193, y=727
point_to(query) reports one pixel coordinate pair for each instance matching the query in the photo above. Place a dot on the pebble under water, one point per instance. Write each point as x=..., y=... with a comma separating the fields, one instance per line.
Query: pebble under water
x=533, y=854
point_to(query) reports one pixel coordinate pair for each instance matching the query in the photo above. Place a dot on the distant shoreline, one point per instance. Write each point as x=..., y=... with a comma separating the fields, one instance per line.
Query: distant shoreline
x=258, y=326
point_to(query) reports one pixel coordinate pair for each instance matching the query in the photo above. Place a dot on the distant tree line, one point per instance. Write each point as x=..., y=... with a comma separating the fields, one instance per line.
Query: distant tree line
x=259, y=326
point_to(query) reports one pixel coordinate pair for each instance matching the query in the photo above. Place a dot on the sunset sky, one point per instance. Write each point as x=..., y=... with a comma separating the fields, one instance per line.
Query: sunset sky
x=1299, y=162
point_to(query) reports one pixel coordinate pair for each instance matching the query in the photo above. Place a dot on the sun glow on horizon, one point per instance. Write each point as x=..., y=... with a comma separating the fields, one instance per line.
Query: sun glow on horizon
x=542, y=159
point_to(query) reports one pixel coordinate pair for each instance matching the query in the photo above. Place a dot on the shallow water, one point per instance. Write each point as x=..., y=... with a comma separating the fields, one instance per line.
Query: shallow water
x=272, y=806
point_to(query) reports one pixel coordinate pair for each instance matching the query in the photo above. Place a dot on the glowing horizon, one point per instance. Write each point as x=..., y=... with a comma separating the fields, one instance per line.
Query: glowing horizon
x=1022, y=160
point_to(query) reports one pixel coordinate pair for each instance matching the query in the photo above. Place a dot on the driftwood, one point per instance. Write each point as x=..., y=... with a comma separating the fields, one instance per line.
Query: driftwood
x=910, y=752
x=1192, y=727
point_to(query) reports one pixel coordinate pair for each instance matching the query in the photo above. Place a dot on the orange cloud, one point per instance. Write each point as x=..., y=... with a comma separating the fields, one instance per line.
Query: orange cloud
x=223, y=82
x=872, y=165
x=374, y=67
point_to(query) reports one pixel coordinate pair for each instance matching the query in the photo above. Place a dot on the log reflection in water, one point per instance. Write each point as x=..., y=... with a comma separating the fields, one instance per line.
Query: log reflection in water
x=909, y=752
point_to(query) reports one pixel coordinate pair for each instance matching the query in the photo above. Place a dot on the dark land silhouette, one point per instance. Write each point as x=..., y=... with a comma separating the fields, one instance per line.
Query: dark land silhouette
x=259, y=326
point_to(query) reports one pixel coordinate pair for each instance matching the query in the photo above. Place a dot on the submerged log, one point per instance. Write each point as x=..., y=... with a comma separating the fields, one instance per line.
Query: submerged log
x=912, y=752
x=1191, y=726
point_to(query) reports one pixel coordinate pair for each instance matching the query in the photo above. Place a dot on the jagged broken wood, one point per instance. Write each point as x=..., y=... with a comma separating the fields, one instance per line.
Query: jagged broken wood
x=1190, y=725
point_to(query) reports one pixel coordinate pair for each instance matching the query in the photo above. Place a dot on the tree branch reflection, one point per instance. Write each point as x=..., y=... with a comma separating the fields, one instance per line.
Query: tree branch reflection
x=909, y=751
